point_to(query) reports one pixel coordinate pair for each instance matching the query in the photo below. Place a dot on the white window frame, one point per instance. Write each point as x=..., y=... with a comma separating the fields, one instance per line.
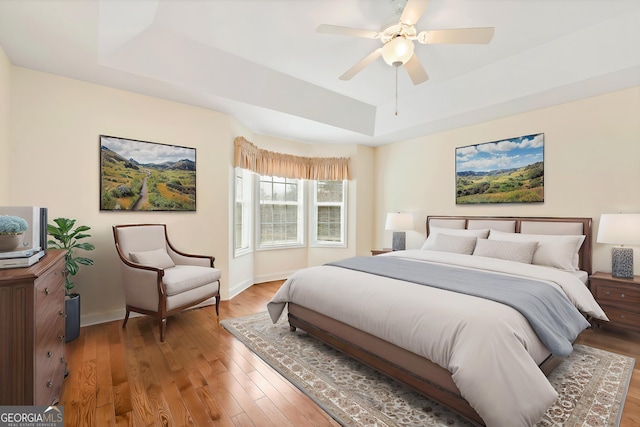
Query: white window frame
x=301, y=215
x=313, y=226
x=247, y=210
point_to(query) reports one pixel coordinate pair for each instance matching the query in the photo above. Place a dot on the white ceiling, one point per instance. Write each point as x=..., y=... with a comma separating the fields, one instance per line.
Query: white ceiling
x=262, y=62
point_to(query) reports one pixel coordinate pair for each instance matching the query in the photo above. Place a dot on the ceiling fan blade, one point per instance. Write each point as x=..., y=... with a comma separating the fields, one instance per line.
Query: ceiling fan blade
x=413, y=11
x=346, y=31
x=481, y=35
x=416, y=71
x=360, y=65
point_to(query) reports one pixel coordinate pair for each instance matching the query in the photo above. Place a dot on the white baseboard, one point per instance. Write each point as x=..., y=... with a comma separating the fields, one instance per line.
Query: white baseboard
x=110, y=316
x=283, y=275
x=239, y=287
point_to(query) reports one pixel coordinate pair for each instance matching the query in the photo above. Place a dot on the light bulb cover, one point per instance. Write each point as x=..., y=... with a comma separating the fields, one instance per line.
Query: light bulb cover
x=397, y=51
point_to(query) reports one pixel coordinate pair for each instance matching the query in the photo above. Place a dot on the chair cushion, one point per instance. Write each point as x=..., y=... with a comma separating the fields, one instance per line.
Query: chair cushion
x=157, y=259
x=182, y=278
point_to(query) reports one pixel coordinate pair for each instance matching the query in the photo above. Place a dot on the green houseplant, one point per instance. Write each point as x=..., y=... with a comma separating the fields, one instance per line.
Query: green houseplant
x=65, y=236
x=11, y=229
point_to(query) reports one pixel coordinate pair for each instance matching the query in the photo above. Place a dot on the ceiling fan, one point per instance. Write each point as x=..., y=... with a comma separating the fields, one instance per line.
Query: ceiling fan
x=397, y=39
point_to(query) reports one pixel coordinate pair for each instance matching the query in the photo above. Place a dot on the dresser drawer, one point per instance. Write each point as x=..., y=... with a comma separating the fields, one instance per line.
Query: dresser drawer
x=49, y=334
x=50, y=376
x=618, y=295
x=32, y=363
x=50, y=339
x=619, y=317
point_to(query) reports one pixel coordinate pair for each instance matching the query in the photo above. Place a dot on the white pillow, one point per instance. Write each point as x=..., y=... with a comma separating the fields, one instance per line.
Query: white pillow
x=457, y=244
x=480, y=233
x=157, y=259
x=559, y=251
x=511, y=251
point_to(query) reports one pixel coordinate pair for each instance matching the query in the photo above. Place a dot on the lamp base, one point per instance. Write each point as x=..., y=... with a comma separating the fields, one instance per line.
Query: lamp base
x=622, y=262
x=399, y=241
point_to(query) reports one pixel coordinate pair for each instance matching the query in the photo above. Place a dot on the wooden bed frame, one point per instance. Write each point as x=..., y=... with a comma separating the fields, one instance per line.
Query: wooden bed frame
x=409, y=368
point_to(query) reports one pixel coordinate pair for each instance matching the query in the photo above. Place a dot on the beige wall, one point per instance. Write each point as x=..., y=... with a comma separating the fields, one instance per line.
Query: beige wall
x=55, y=125
x=591, y=153
x=53, y=135
x=5, y=81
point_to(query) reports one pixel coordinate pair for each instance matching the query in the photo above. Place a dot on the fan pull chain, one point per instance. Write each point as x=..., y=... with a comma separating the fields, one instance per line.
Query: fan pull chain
x=397, y=90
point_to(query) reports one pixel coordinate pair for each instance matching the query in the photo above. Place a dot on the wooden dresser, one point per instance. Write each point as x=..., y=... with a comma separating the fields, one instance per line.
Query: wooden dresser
x=32, y=360
x=619, y=298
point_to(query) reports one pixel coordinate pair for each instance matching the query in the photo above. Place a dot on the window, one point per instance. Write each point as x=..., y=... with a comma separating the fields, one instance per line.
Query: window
x=242, y=212
x=281, y=212
x=329, y=213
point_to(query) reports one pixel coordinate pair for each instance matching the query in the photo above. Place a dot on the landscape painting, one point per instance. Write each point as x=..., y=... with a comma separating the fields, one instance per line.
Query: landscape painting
x=506, y=171
x=146, y=176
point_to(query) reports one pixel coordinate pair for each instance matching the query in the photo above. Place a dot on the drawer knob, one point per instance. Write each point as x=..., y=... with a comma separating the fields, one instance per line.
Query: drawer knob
x=61, y=337
x=49, y=354
x=621, y=295
x=622, y=316
x=49, y=384
x=607, y=293
x=61, y=313
x=47, y=291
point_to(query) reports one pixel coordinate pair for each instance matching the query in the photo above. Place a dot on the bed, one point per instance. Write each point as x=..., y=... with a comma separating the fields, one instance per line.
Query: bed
x=482, y=358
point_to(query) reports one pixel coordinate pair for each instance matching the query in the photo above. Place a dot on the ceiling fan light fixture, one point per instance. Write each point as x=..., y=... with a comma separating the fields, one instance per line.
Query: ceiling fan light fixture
x=397, y=51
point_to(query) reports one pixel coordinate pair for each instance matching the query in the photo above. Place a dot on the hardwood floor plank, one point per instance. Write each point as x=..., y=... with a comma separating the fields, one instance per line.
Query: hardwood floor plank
x=105, y=416
x=219, y=412
x=125, y=420
x=121, y=391
x=104, y=378
x=273, y=414
x=142, y=411
x=282, y=404
x=242, y=420
x=202, y=375
x=244, y=399
x=161, y=377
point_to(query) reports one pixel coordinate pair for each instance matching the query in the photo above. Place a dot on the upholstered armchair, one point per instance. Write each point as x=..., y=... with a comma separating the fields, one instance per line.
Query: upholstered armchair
x=159, y=280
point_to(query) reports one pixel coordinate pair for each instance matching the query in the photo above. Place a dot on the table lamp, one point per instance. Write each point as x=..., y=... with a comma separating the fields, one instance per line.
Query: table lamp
x=399, y=223
x=620, y=229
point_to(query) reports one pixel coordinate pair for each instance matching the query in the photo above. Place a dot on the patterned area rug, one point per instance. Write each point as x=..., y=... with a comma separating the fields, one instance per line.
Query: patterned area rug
x=592, y=383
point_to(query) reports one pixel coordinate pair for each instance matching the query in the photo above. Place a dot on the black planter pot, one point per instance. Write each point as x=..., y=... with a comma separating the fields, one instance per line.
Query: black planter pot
x=72, y=322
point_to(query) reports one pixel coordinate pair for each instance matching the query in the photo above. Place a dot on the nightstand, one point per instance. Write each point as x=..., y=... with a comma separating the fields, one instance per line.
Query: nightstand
x=619, y=298
x=380, y=251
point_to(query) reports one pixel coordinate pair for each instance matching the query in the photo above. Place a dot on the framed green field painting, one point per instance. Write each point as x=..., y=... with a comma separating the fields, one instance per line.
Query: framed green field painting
x=506, y=171
x=146, y=176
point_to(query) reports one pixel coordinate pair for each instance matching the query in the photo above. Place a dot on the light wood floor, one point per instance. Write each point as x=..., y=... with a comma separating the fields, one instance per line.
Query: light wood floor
x=201, y=375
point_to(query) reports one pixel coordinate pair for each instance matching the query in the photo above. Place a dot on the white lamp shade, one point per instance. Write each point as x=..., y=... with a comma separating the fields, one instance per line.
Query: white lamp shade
x=397, y=51
x=399, y=222
x=619, y=229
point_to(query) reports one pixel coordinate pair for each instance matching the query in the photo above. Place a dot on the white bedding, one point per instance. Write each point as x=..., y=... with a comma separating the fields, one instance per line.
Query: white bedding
x=496, y=372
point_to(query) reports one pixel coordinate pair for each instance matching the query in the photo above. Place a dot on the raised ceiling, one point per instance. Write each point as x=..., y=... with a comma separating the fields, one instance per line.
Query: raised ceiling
x=262, y=62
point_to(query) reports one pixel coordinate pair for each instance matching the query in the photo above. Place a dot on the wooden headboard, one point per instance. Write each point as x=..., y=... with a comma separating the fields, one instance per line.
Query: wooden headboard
x=529, y=225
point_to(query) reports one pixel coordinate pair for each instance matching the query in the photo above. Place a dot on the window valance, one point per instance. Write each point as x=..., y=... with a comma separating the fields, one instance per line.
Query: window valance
x=248, y=156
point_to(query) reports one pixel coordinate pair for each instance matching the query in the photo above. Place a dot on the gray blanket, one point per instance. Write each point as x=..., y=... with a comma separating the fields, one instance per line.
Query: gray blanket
x=556, y=321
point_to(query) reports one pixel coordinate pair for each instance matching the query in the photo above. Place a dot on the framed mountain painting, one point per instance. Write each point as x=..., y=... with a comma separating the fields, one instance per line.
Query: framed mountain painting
x=146, y=176
x=506, y=171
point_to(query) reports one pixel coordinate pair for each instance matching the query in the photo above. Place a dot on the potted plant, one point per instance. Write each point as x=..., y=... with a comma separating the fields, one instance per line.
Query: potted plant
x=11, y=229
x=68, y=238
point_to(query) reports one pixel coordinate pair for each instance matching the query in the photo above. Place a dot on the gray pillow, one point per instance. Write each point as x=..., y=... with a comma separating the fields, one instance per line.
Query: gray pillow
x=511, y=251
x=457, y=244
x=157, y=259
